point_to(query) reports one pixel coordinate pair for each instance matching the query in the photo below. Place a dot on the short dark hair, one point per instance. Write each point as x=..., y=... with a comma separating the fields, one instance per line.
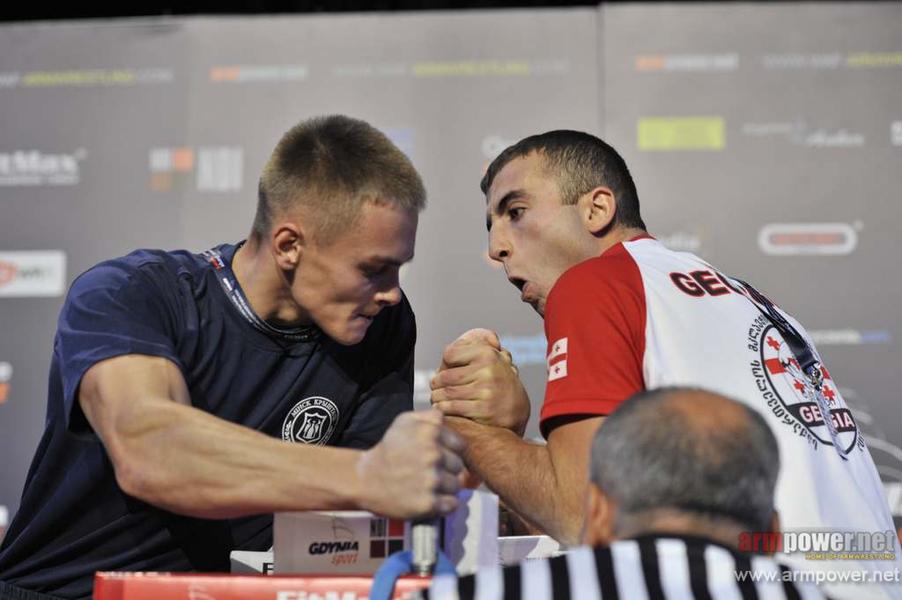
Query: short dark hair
x=648, y=455
x=579, y=162
x=335, y=164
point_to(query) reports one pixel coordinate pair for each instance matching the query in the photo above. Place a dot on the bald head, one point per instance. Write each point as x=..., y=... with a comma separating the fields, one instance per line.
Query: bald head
x=689, y=451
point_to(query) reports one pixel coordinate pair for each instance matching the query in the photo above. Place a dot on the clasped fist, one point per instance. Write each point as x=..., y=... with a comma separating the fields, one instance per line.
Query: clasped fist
x=413, y=471
x=479, y=381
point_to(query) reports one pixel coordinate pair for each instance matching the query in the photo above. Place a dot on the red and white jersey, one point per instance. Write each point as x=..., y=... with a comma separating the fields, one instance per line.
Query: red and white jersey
x=641, y=316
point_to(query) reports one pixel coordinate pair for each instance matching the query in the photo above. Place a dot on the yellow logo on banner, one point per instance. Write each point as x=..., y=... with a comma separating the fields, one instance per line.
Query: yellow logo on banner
x=681, y=133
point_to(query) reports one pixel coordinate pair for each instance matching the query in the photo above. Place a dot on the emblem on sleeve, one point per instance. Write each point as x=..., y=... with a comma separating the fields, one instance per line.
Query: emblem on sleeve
x=557, y=360
x=311, y=421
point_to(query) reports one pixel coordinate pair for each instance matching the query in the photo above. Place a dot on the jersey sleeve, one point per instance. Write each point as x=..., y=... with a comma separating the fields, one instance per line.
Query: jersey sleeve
x=391, y=390
x=111, y=310
x=595, y=320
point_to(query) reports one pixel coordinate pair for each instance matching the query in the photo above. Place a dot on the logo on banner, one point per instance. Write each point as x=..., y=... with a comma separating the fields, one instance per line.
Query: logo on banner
x=838, y=138
x=258, y=73
x=681, y=241
x=311, y=421
x=557, y=360
x=84, y=78
x=800, y=133
x=794, y=239
x=6, y=375
x=24, y=168
x=833, y=60
x=671, y=134
x=688, y=63
x=790, y=395
x=32, y=273
x=207, y=169
x=850, y=337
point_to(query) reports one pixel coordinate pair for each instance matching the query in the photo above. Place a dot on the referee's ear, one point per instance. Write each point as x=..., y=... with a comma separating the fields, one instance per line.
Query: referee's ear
x=600, y=512
x=775, y=525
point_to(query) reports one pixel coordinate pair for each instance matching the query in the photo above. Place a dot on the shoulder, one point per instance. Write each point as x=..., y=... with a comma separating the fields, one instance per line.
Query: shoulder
x=141, y=268
x=613, y=275
x=142, y=281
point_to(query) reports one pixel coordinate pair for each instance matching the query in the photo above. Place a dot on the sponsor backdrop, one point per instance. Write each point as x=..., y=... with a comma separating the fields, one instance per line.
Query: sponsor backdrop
x=766, y=138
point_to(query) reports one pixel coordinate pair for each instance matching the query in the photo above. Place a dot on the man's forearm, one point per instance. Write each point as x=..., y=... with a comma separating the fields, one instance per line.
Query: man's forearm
x=193, y=463
x=523, y=474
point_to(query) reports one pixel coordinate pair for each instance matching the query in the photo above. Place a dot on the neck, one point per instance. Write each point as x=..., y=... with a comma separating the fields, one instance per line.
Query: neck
x=266, y=287
x=618, y=235
x=723, y=531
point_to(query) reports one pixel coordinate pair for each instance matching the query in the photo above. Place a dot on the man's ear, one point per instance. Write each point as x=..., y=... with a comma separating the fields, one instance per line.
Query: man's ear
x=775, y=524
x=288, y=245
x=600, y=513
x=597, y=209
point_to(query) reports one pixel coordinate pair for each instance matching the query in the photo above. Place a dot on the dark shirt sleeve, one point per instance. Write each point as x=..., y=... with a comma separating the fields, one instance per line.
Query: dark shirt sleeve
x=391, y=392
x=111, y=310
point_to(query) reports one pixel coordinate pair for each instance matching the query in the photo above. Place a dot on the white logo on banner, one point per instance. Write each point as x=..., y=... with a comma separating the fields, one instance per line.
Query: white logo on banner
x=681, y=241
x=32, y=273
x=557, y=360
x=220, y=169
x=817, y=239
x=688, y=62
x=6, y=375
x=802, y=134
x=34, y=168
x=211, y=168
x=896, y=133
x=823, y=138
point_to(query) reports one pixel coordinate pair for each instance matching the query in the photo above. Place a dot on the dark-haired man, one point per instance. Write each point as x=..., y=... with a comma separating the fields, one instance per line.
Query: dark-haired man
x=192, y=393
x=623, y=314
x=673, y=489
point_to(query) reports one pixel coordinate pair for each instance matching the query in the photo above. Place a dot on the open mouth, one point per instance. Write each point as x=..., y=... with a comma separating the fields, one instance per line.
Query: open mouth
x=519, y=283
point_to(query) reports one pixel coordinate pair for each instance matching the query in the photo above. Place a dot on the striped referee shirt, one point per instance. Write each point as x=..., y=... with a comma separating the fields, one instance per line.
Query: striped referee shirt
x=651, y=566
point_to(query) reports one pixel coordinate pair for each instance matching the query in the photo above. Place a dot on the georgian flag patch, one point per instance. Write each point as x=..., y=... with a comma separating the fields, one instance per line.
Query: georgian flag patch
x=557, y=360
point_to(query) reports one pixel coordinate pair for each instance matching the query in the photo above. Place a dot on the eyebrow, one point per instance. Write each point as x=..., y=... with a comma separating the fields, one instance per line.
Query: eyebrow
x=502, y=205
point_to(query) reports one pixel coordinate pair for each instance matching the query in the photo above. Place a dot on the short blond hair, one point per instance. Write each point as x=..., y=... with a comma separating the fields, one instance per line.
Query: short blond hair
x=333, y=165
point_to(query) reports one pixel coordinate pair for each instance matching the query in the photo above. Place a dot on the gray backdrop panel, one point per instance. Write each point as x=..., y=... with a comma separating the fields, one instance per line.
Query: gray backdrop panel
x=170, y=121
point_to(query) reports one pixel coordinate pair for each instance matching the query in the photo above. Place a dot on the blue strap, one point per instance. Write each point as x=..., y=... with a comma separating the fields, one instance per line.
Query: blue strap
x=401, y=563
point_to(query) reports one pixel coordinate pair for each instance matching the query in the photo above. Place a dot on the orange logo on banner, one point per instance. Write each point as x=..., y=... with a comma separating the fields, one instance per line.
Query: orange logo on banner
x=161, y=182
x=7, y=272
x=224, y=73
x=183, y=159
x=653, y=62
x=4, y=392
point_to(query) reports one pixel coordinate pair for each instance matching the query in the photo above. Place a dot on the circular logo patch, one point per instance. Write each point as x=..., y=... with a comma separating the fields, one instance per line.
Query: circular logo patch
x=311, y=421
x=793, y=399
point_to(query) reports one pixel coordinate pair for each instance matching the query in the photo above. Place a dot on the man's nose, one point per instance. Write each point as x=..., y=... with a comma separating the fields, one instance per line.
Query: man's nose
x=391, y=294
x=499, y=247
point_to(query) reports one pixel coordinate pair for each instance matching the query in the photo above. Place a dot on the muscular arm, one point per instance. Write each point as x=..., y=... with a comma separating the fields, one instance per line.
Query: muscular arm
x=544, y=484
x=172, y=455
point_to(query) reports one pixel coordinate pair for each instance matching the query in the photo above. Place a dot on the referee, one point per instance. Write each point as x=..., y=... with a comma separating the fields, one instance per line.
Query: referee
x=677, y=476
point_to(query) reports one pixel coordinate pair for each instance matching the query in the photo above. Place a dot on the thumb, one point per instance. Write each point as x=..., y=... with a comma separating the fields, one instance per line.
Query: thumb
x=481, y=335
x=431, y=415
